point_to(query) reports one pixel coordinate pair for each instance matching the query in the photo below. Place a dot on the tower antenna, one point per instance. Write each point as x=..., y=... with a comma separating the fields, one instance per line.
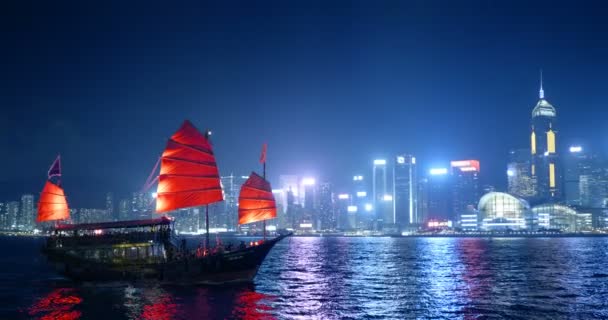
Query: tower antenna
x=541, y=92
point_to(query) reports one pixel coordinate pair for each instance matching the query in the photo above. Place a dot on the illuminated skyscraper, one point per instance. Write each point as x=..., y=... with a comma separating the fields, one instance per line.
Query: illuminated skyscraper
x=227, y=210
x=110, y=205
x=141, y=205
x=124, y=210
x=382, y=198
x=12, y=210
x=438, y=194
x=465, y=186
x=26, y=215
x=543, y=147
x=405, y=191
x=519, y=176
x=576, y=164
x=3, y=217
x=326, y=207
x=361, y=196
x=292, y=212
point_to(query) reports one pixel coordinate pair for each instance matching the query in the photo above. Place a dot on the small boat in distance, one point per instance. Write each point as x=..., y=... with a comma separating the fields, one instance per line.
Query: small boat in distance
x=149, y=249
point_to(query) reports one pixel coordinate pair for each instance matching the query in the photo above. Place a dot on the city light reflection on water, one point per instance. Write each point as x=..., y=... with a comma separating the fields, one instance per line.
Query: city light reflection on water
x=352, y=278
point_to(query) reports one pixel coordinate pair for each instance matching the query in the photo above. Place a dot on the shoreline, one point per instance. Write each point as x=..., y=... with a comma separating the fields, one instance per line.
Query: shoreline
x=497, y=235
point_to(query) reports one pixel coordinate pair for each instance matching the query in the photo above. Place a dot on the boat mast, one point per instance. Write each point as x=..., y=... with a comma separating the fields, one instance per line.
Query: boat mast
x=264, y=176
x=207, y=226
x=263, y=161
x=207, y=243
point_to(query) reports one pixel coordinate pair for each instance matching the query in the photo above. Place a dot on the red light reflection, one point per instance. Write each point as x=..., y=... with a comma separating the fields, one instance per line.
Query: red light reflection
x=57, y=305
x=163, y=308
x=251, y=305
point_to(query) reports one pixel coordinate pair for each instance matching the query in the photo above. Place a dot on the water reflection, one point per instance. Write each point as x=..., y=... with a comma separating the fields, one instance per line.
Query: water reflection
x=251, y=305
x=354, y=278
x=151, y=302
x=59, y=304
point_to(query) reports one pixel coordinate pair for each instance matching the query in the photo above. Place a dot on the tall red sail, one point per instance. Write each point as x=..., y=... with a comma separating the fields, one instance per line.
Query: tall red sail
x=256, y=201
x=53, y=204
x=188, y=172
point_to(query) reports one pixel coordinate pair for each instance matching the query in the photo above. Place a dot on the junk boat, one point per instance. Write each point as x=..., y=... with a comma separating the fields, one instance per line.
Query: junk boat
x=150, y=249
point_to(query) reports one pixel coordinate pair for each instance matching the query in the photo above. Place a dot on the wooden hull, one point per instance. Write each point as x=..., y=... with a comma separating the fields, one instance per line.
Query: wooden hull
x=231, y=267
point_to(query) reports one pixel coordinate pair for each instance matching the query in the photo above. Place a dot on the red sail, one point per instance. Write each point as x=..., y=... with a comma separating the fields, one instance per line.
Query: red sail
x=52, y=204
x=188, y=173
x=256, y=201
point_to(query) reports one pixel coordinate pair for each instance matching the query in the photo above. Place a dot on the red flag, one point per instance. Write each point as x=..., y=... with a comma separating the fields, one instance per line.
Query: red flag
x=55, y=170
x=263, y=156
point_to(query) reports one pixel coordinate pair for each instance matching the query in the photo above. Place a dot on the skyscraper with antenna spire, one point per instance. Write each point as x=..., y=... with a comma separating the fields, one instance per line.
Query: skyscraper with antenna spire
x=543, y=149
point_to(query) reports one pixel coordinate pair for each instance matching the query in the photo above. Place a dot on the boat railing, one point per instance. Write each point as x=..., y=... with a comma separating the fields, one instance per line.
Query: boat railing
x=108, y=238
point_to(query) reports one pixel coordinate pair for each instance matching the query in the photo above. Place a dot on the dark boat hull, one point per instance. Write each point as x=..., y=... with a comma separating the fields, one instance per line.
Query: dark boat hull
x=230, y=267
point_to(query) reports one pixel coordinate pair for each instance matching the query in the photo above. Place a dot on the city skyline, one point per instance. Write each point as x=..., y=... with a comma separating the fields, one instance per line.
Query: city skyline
x=319, y=87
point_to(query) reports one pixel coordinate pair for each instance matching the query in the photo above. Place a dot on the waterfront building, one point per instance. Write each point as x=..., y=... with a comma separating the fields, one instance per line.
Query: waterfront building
x=423, y=200
x=12, y=210
x=27, y=218
x=405, y=187
x=3, y=217
x=543, y=148
x=188, y=221
x=326, y=207
x=502, y=211
x=561, y=217
x=438, y=195
x=280, y=197
x=91, y=215
x=291, y=182
x=308, y=187
x=519, y=176
x=124, y=209
x=110, y=206
x=228, y=209
x=380, y=195
x=361, y=197
x=141, y=206
x=465, y=185
x=469, y=219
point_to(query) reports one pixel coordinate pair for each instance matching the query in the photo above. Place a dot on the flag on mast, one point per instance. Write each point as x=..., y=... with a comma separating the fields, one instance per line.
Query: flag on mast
x=55, y=170
x=263, y=155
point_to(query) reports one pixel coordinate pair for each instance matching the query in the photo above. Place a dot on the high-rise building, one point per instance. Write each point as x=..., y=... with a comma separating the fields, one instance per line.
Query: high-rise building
x=281, y=202
x=576, y=163
x=382, y=196
x=291, y=183
x=465, y=186
x=292, y=212
x=227, y=216
x=110, y=206
x=12, y=209
x=326, y=207
x=543, y=148
x=189, y=220
x=405, y=195
x=438, y=194
x=26, y=221
x=124, y=210
x=3, y=217
x=519, y=177
x=423, y=199
x=308, y=186
x=362, y=198
x=141, y=205
x=91, y=215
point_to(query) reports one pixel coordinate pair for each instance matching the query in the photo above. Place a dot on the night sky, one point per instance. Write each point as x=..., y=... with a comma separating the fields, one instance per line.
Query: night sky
x=328, y=85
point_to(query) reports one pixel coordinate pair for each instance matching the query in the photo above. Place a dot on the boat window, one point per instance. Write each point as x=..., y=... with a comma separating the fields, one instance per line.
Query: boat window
x=119, y=253
x=132, y=253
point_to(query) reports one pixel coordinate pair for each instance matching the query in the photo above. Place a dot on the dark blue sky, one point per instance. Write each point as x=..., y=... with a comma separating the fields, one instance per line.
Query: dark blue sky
x=329, y=85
